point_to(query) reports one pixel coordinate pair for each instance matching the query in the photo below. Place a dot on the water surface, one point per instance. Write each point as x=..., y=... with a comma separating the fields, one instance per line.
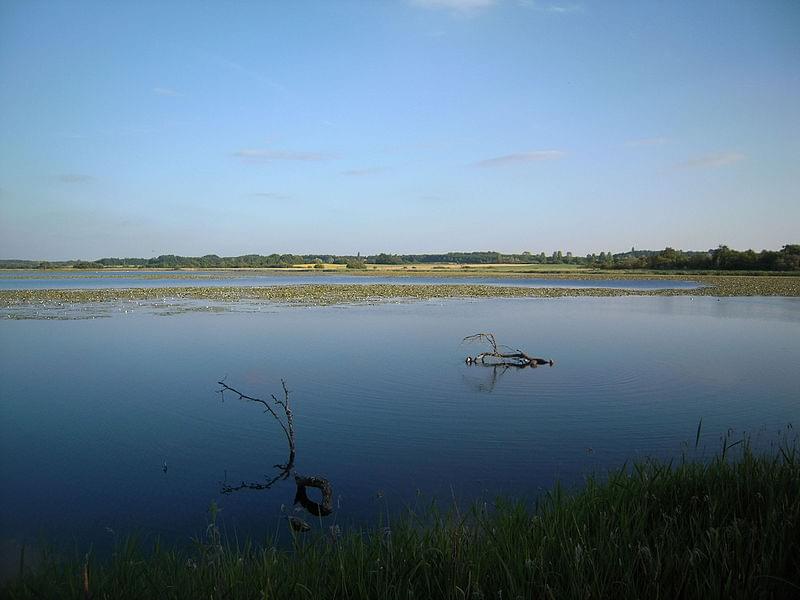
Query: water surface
x=384, y=405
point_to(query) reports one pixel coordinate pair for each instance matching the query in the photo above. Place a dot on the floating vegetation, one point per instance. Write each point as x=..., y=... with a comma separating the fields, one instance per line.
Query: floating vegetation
x=53, y=301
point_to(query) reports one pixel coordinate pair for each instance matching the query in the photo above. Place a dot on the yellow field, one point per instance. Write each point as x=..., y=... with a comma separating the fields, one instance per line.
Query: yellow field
x=422, y=268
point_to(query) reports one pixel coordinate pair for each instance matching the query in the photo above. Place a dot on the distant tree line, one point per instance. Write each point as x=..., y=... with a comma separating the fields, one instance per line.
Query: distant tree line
x=209, y=261
x=721, y=258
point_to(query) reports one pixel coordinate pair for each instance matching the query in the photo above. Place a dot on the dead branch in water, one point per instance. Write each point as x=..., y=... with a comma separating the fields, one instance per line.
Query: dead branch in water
x=508, y=358
x=288, y=428
x=287, y=424
x=318, y=509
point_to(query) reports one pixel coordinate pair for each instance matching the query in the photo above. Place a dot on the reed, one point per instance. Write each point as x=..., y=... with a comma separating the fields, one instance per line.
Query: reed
x=726, y=528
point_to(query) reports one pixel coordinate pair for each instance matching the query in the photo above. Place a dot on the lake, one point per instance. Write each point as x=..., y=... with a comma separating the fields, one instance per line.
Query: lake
x=384, y=405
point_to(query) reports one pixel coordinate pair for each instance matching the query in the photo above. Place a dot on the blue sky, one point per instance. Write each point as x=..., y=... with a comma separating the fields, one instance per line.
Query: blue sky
x=145, y=128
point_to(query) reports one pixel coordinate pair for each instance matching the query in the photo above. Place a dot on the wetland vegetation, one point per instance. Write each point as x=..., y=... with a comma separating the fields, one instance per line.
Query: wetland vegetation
x=327, y=294
x=541, y=241
x=727, y=528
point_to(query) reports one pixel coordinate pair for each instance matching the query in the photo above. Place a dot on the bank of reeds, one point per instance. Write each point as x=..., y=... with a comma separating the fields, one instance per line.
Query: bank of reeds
x=727, y=528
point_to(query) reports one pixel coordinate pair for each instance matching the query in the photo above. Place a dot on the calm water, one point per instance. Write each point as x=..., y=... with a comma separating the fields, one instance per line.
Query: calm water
x=23, y=280
x=384, y=405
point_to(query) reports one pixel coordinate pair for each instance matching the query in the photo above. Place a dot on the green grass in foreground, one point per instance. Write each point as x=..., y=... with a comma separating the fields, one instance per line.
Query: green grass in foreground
x=726, y=529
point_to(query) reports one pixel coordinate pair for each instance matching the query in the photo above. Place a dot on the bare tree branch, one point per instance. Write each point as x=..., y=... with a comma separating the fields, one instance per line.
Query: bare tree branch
x=320, y=509
x=482, y=337
x=514, y=358
x=288, y=429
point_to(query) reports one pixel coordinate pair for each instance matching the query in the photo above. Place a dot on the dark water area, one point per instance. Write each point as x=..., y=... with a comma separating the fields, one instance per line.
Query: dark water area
x=384, y=405
x=28, y=280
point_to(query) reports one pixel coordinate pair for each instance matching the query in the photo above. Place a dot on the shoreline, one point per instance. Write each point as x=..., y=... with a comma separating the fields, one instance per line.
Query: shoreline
x=727, y=527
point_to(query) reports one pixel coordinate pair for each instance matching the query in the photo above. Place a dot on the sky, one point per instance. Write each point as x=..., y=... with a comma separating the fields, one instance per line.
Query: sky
x=403, y=126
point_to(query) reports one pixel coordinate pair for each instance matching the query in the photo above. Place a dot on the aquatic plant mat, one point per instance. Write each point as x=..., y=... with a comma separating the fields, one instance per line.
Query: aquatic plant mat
x=328, y=294
x=727, y=528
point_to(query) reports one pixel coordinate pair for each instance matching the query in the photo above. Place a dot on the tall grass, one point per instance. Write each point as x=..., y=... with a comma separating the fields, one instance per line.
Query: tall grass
x=727, y=528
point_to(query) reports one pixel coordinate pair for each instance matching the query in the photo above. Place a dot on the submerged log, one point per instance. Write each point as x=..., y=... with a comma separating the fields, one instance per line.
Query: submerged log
x=318, y=509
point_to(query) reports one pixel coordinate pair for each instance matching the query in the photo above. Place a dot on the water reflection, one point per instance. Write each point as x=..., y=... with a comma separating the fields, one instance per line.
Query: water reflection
x=281, y=412
x=382, y=400
x=484, y=378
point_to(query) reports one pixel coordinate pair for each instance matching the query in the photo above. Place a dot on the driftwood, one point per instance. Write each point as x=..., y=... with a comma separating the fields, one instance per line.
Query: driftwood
x=317, y=509
x=502, y=355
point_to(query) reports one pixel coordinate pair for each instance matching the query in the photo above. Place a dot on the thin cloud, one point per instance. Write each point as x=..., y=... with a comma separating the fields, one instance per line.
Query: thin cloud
x=234, y=66
x=522, y=157
x=654, y=141
x=271, y=195
x=364, y=172
x=163, y=91
x=71, y=135
x=460, y=6
x=72, y=178
x=128, y=131
x=712, y=161
x=257, y=155
x=553, y=8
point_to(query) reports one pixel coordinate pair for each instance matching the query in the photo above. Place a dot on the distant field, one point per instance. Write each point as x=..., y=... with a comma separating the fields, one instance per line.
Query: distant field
x=394, y=269
x=493, y=268
x=545, y=271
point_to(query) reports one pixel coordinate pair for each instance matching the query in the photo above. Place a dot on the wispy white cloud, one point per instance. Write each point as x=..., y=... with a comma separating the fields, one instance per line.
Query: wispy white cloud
x=236, y=67
x=164, y=91
x=559, y=8
x=653, y=141
x=72, y=178
x=71, y=135
x=460, y=6
x=522, y=157
x=259, y=155
x=363, y=172
x=271, y=195
x=712, y=161
x=128, y=131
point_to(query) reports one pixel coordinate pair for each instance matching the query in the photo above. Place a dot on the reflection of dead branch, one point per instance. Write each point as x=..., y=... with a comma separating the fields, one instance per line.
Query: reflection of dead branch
x=287, y=424
x=258, y=485
x=507, y=358
x=497, y=371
